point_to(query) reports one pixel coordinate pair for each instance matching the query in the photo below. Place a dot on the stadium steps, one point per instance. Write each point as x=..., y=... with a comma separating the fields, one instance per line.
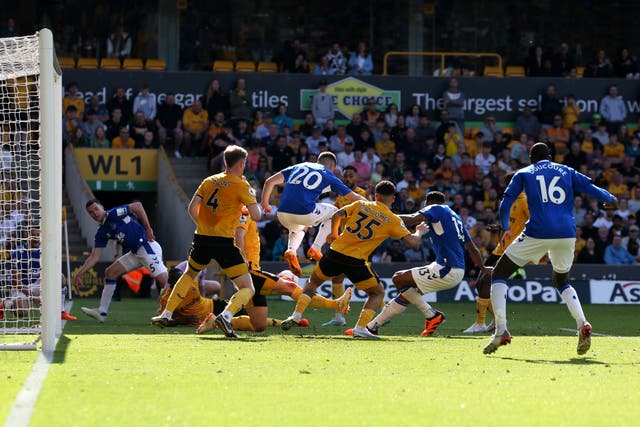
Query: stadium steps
x=190, y=171
x=77, y=245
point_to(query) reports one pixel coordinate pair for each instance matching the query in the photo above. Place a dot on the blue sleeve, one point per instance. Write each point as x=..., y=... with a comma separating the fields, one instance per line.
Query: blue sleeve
x=428, y=218
x=337, y=185
x=583, y=184
x=467, y=236
x=514, y=188
x=286, y=172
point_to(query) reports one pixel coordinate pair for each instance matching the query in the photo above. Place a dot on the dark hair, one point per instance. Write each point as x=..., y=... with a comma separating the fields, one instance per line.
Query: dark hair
x=435, y=197
x=386, y=188
x=539, y=151
x=350, y=168
x=92, y=201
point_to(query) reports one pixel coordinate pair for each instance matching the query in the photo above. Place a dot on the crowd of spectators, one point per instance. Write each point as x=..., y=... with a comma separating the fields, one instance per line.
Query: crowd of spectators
x=467, y=164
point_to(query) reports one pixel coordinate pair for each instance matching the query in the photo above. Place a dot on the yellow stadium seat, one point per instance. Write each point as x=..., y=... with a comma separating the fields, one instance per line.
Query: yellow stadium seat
x=110, y=64
x=132, y=64
x=492, y=71
x=222, y=66
x=268, y=67
x=87, y=63
x=155, y=65
x=245, y=66
x=67, y=62
x=515, y=71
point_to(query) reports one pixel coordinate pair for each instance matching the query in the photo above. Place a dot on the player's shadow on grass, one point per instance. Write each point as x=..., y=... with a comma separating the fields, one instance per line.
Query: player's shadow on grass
x=239, y=339
x=572, y=361
x=349, y=338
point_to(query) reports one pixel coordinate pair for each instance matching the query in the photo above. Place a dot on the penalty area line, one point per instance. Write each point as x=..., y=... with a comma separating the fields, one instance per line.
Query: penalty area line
x=593, y=334
x=22, y=408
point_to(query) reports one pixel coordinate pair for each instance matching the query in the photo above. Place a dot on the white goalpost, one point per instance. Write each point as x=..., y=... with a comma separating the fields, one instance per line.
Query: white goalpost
x=31, y=192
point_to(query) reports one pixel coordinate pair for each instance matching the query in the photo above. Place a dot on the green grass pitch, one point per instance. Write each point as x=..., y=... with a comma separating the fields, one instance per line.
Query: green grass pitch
x=125, y=373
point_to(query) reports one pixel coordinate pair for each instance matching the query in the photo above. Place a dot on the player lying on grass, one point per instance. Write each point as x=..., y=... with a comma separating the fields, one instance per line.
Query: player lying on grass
x=449, y=240
x=195, y=308
x=551, y=229
x=368, y=223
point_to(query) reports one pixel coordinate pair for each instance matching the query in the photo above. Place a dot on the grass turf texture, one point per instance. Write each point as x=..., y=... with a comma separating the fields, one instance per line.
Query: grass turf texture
x=124, y=372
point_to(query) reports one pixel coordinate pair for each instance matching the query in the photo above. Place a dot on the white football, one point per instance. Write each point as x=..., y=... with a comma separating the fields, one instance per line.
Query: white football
x=288, y=275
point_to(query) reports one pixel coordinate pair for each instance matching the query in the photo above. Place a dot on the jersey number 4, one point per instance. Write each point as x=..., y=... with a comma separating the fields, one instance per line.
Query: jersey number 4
x=213, y=201
x=362, y=230
x=552, y=192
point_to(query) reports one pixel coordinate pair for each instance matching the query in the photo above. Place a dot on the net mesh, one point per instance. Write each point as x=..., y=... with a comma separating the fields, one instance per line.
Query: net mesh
x=19, y=191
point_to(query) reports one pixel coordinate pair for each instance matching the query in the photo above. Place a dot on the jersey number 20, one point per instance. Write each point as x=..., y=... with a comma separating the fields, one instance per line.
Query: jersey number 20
x=553, y=192
x=310, y=180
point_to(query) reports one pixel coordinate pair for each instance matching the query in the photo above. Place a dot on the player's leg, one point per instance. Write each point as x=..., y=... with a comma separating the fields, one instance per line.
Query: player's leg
x=185, y=284
x=258, y=316
x=337, y=290
x=211, y=288
x=521, y=251
x=375, y=294
x=296, y=234
x=483, y=301
x=561, y=257
x=122, y=265
x=322, y=216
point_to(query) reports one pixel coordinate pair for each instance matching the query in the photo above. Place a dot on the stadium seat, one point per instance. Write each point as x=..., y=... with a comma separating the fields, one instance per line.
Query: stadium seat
x=87, y=64
x=267, y=67
x=155, y=65
x=67, y=62
x=492, y=71
x=514, y=71
x=132, y=64
x=221, y=66
x=110, y=64
x=245, y=66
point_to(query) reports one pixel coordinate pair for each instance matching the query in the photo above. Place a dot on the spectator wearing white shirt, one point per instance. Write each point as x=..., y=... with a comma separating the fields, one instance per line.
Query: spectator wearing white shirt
x=613, y=109
x=145, y=102
x=322, y=105
x=315, y=139
x=485, y=159
x=346, y=157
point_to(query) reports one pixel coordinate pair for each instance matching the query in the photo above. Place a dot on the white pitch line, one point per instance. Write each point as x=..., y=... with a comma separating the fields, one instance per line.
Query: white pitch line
x=592, y=333
x=22, y=409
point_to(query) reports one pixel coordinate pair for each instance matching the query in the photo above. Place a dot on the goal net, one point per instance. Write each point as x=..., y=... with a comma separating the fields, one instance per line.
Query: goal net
x=30, y=192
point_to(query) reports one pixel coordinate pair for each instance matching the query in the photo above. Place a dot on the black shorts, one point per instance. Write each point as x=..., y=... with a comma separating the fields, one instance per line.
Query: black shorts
x=357, y=270
x=259, y=277
x=222, y=249
x=491, y=260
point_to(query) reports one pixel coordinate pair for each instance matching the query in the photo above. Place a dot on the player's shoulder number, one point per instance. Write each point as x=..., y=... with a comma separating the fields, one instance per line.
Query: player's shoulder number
x=310, y=179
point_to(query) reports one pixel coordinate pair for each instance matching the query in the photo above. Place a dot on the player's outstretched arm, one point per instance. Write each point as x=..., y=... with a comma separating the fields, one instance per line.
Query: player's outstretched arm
x=254, y=212
x=138, y=210
x=267, y=189
x=353, y=196
x=415, y=240
x=413, y=219
x=336, y=220
x=476, y=256
x=91, y=260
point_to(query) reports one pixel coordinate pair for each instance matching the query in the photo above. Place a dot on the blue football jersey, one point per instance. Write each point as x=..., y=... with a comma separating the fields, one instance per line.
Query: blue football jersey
x=119, y=224
x=28, y=262
x=550, y=189
x=447, y=234
x=304, y=183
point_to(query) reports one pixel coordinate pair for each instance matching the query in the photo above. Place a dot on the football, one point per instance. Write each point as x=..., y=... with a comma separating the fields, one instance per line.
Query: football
x=288, y=275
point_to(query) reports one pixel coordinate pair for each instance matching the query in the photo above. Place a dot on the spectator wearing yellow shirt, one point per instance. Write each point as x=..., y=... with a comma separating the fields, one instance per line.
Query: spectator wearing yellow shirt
x=195, y=121
x=474, y=146
x=123, y=140
x=385, y=145
x=614, y=149
x=452, y=140
x=617, y=187
x=73, y=98
x=559, y=137
x=570, y=112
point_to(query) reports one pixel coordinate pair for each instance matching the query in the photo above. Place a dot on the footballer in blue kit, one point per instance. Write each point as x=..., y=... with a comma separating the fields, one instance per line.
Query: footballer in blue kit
x=299, y=208
x=449, y=239
x=551, y=229
x=127, y=225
